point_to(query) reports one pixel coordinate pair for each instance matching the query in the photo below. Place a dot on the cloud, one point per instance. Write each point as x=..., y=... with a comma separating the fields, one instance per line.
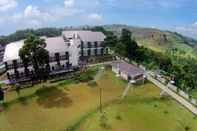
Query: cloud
x=189, y=30
x=7, y=4
x=95, y=17
x=195, y=23
x=32, y=17
x=69, y=3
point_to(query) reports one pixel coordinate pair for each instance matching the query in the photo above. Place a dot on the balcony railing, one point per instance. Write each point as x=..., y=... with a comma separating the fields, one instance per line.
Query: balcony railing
x=19, y=65
x=20, y=76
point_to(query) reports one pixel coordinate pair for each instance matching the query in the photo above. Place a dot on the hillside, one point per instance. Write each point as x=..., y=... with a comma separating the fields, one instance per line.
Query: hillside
x=158, y=40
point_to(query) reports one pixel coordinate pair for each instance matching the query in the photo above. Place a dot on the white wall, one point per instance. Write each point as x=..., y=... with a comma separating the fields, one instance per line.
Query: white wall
x=115, y=70
x=124, y=75
x=74, y=50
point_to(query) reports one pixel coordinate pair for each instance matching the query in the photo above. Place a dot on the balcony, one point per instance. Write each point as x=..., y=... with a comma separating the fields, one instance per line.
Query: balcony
x=20, y=76
x=61, y=69
x=54, y=59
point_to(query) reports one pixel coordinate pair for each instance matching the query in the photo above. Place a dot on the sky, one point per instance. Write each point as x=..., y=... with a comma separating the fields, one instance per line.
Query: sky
x=175, y=15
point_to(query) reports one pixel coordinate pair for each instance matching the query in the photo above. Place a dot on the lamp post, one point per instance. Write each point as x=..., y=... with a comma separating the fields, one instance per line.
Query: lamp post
x=1, y=96
x=100, y=94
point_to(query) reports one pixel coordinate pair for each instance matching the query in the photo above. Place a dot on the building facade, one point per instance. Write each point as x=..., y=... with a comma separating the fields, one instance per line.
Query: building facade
x=66, y=53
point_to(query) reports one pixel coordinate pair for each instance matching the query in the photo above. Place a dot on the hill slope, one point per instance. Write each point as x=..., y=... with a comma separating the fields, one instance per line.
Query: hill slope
x=158, y=40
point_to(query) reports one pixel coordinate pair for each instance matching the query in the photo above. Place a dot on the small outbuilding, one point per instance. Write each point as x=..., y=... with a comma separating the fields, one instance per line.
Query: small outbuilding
x=128, y=72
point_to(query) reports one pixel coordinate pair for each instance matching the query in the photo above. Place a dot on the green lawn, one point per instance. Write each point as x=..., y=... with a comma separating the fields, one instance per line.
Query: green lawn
x=143, y=110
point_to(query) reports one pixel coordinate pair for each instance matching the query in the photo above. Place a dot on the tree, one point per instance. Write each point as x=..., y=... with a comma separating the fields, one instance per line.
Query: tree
x=129, y=44
x=18, y=89
x=34, y=52
x=163, y=61
x=111, y=40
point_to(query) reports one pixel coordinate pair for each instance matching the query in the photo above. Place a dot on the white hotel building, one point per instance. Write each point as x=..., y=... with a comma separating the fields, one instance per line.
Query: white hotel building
x=66, y=53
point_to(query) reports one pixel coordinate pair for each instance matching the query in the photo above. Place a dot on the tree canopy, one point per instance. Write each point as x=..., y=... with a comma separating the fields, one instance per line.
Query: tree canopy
x=34, y=52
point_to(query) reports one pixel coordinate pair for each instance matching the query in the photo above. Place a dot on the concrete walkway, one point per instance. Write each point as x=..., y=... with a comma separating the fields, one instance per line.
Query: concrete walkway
x=99, y=74
x=126, y=90
x=178, y=98
x=104, y=63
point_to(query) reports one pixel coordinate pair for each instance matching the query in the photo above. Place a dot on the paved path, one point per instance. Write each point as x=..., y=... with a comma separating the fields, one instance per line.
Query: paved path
x=104, y=63
x=180, y=99
x=99, y=74
x=126, y=90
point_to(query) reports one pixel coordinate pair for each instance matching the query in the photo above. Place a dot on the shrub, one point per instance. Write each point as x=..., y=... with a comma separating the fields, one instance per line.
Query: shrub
x=155, y=105
x=88, y=75
x=92, y=83
x=84, y=78
x=103, y=122
x=166, y=112
x=45, y=92
x=187, y=128
x=118, y=117
x=23, y=100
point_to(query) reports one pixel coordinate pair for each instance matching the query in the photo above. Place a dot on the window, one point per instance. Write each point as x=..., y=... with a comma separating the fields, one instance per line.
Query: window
x=95, y=51
x=89, y=52
x=8, y=75
x=67, y=64
x=89, y=44
x=82, y=53
x=15, y=64
x=107, y=50
x=95, y=44
x=6, y=65
x=57, y=58
x=82, y=44
x=102, y=44
x=53, y=68
x=67, y=55
x=16, y=74
x=102, y=51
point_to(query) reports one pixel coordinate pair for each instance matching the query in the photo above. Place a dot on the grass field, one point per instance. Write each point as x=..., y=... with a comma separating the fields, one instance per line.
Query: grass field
x=58, y=107
x=143, y=110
